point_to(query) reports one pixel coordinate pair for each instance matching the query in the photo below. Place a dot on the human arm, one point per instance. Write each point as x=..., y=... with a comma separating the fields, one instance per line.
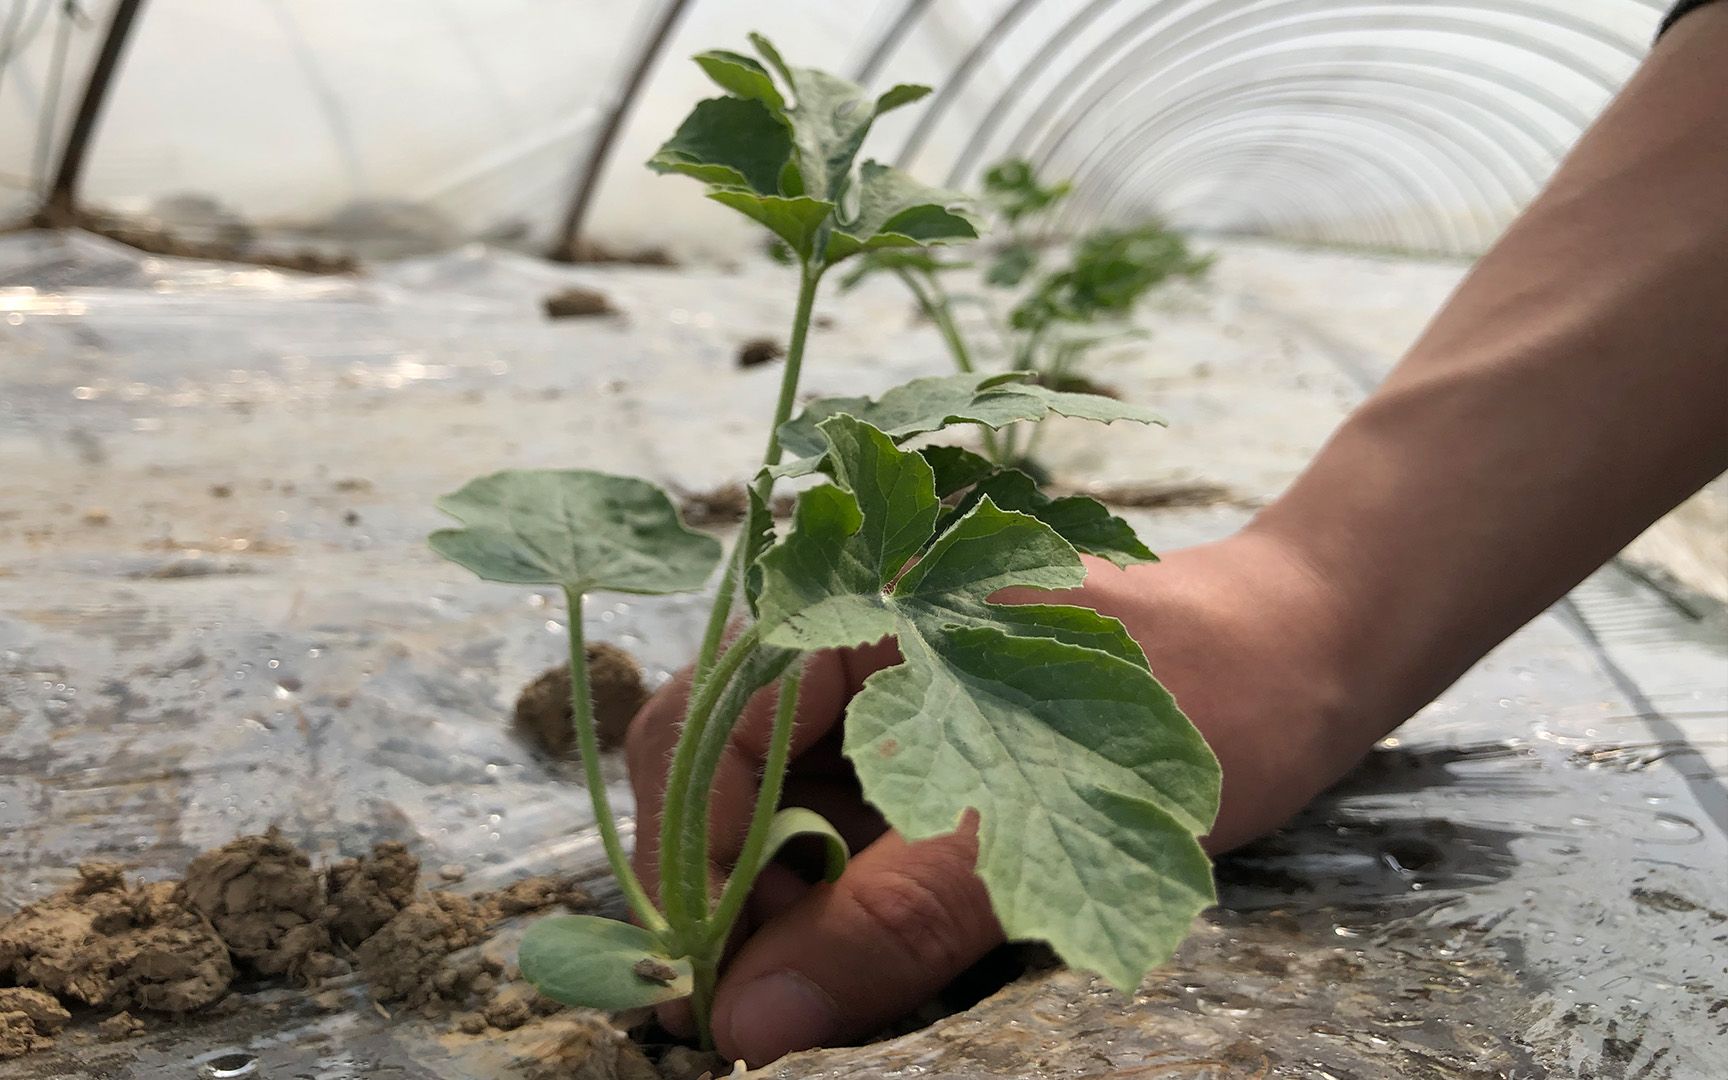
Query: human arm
x=1571, y=391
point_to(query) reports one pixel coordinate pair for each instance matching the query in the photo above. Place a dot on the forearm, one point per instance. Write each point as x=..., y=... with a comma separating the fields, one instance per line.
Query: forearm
x=1573, y=390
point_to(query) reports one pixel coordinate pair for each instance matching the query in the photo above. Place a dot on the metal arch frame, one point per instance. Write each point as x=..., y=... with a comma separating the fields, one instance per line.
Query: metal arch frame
x=1515, y=177
x=1318, y=165
x=1373, y=217
x=60, y=206
x=1419, y=186
x=874, y=60
x=1393, y=191
x=1473, y=155
x=1097, y=57
x=1222, y=32
x=1023, y=79
x=1438, y=66
x=950, y=88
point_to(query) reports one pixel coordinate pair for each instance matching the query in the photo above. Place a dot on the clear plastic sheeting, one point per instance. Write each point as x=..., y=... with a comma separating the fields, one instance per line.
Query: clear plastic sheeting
x=395, y=126
x=218, y=613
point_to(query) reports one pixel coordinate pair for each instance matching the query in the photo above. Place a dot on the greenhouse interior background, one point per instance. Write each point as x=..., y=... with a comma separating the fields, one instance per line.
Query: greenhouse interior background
x=277, y=274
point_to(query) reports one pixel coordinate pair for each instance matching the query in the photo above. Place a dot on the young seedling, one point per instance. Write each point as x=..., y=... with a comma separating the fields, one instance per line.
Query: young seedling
x=1063, y=315
x=1090, y=786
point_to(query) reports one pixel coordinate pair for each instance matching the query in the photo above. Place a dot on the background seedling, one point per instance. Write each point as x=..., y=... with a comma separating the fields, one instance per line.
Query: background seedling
x=1043, y=717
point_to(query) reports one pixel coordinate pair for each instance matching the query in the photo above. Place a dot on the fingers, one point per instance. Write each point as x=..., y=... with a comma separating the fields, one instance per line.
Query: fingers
x=653, y=737
x=847, y=958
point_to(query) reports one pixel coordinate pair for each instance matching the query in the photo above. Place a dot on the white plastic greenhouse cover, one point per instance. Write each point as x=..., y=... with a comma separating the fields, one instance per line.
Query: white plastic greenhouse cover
x=1419, y=124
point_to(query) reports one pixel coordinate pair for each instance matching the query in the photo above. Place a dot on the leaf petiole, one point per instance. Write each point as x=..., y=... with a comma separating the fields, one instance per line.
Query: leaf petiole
x=582, y=713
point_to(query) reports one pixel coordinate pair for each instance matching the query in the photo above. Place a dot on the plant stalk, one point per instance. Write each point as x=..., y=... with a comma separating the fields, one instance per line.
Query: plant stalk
x=588, y=743
x=745, y=871
x=674, y=887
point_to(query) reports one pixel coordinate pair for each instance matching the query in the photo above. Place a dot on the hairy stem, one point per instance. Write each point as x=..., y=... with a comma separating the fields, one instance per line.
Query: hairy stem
x=744, y=872
x=588, y=743
x=673, y=866
x=706, y=969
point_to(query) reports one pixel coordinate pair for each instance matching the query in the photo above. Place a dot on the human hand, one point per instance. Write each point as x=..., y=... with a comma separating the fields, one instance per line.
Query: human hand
x=1244, y=636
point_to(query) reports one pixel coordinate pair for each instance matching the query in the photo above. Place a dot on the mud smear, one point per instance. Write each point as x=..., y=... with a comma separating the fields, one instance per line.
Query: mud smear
x=543, y=715
x=255, y=913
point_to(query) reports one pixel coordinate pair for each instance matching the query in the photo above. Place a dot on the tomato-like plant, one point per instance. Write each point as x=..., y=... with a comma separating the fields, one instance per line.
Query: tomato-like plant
x=1090, y=786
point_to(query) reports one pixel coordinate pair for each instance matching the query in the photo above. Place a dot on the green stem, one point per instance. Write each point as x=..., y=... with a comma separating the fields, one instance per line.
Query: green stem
x=706, y=970
x=715, y=631
x=744, y=872
x=763, y=667
x=808, y=278
x=935, y=302
x=588, y=743
x=673, y=886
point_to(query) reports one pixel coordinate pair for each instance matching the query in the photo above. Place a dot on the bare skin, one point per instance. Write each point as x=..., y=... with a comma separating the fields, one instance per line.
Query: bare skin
x=1574, y=389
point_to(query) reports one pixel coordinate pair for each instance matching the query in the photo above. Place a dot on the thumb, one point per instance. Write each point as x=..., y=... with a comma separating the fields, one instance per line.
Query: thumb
x=848, y=958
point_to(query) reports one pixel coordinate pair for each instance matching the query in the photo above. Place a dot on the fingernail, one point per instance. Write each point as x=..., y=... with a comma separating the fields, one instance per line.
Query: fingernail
x=778, y=1014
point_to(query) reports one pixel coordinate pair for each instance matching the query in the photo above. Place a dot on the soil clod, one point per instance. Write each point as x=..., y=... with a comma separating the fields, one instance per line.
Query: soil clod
x=543, y=714
x=366, y=893
x=578, y=302
x=266, y=901
x=759, y=351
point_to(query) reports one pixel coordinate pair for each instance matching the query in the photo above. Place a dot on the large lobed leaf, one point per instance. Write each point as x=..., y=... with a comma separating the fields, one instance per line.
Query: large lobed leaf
x=579, y=529
x=1090, y=785
x=930, y=404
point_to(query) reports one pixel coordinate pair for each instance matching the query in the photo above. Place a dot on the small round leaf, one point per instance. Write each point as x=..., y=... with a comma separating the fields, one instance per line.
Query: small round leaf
x=597, y=963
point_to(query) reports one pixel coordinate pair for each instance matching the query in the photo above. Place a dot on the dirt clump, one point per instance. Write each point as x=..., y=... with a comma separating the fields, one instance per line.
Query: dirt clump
x=408, y=959
x=367, y=892
x=515, y=1004
x=575, y=1045
x=104, y=943
x=264, y=898
x=122, y=1025
x=532, y=894
x=578, y=302
x=29, y=1020
x=688, y=1063
x=759, y=351
x=543, y=714
x=727, y=505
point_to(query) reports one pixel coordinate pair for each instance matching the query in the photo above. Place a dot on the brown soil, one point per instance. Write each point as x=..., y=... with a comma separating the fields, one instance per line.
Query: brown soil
x=105, y=943
x=577, y=302
x=29, y=1020
x=589, y=251
x=543, y=714
x=726, y=505
x=759, y=351
x=264, y=898
x=366, y=893
x=236, y=248
x=1165, y=495
x=257, y=906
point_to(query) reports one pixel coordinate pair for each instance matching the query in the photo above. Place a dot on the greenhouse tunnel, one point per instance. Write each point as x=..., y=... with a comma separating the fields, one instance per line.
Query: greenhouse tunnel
x=275, y=275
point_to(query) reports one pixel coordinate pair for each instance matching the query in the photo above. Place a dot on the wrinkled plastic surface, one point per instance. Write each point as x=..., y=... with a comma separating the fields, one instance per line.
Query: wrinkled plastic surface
x=217, y=612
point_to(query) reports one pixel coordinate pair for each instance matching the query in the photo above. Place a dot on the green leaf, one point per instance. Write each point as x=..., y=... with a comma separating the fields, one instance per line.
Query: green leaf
x=596, y=963
x=894, y=210
x=930, y=404
x=956, y=469
x=795, y=821
x=902, y=94
x=829, y=117
x=1090, y=785
x=741, y=75
x=1083, y=522
x=578, y=529
x=1011, y=265
x=794, y=220
x=732, y=142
